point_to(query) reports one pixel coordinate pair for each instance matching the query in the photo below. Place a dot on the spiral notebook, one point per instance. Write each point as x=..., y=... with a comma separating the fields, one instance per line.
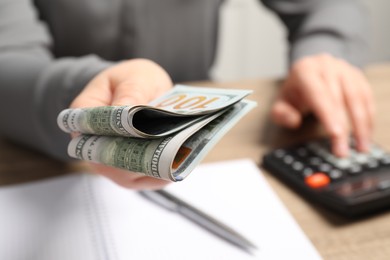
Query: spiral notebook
x=83, y=216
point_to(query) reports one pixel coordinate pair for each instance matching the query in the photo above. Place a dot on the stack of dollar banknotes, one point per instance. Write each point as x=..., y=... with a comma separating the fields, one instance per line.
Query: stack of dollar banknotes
x=165, y=139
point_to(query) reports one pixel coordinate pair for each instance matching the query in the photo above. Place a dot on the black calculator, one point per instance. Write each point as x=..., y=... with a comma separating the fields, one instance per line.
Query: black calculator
x=353, y=186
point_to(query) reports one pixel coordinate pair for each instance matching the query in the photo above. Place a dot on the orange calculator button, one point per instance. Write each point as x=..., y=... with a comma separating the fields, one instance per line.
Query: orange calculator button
x=317, y=180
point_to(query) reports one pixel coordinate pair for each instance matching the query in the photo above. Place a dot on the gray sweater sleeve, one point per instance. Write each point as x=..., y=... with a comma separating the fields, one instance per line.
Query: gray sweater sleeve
x=337, y=27
x=34, y=86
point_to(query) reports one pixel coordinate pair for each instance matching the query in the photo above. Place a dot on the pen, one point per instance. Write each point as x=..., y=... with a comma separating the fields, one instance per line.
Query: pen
x=209, y=223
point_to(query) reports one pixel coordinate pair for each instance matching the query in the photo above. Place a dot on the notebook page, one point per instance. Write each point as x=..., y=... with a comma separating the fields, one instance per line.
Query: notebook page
x=82, y=216
x=234, y=192
x=237, y=193
x=88, y=217
x=47, y=220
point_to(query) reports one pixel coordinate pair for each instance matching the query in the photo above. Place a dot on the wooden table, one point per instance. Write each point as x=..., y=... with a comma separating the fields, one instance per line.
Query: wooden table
x=333, y=236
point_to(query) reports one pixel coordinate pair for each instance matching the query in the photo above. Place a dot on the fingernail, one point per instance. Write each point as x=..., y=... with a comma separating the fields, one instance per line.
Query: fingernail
x=341, y=149
x=337, y=130
x=290, y=121
x=364, y=145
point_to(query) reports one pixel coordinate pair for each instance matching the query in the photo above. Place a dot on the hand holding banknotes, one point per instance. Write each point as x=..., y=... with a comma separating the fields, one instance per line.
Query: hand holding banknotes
x=131, y=82
x=165, y=139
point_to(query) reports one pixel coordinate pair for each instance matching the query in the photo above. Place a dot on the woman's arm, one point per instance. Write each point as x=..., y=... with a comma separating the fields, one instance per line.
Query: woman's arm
x=34, y=86
x=328, y=41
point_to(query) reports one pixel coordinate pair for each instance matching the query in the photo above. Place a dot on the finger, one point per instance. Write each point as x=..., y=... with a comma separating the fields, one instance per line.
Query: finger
x=129, y=179
x=368, y=99
x=132, y=93
x=358, y=111
x=96, y=93
x=330, y=76
x=129, y=82
x=284, y=114
x=148, y=183
x=329, y=112
x=138, y=82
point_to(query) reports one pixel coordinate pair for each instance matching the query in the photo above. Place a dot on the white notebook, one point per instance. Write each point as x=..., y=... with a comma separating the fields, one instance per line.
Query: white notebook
x=82, y=216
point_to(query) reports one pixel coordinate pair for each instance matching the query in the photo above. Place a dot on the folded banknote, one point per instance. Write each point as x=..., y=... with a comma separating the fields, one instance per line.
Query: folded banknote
x=165, y=139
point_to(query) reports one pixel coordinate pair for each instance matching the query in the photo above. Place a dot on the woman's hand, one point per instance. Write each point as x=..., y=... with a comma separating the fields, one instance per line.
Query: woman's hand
x=337, y=93
x=131, y=82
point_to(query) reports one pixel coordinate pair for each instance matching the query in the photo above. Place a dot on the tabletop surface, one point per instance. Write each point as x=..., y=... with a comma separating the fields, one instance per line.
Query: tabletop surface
x=333, y=236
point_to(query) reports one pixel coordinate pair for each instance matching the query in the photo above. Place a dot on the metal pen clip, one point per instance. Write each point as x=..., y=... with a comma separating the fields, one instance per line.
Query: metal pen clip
x=216, y=227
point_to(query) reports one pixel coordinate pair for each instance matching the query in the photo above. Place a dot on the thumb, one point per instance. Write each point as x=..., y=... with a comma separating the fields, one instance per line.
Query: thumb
x=132, y=93
x=96, y=93
x=284, y=114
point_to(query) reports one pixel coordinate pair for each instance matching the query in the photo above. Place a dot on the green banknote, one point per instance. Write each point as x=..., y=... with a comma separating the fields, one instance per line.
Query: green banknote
x=174, y=111
x=171, y=157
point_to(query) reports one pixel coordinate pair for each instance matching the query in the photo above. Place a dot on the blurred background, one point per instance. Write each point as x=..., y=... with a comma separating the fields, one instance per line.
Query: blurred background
x=252, y=40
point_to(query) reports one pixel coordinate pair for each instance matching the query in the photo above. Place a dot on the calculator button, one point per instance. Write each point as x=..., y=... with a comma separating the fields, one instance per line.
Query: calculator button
x=280, y=153
x=318, y=149
x=317, y=180
x=372, y=163
x=386, y=159
x=325, y=167
x=383, y=185
x=307, y=172
x=360, y=158
x=315, y=161
x=302, y=152
x=335, y=174
x=332, y=159
x=376, y=152
x=316, y=146
x=298, y=166
x=343, y=163
x=355, y=169
x=288, y=159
